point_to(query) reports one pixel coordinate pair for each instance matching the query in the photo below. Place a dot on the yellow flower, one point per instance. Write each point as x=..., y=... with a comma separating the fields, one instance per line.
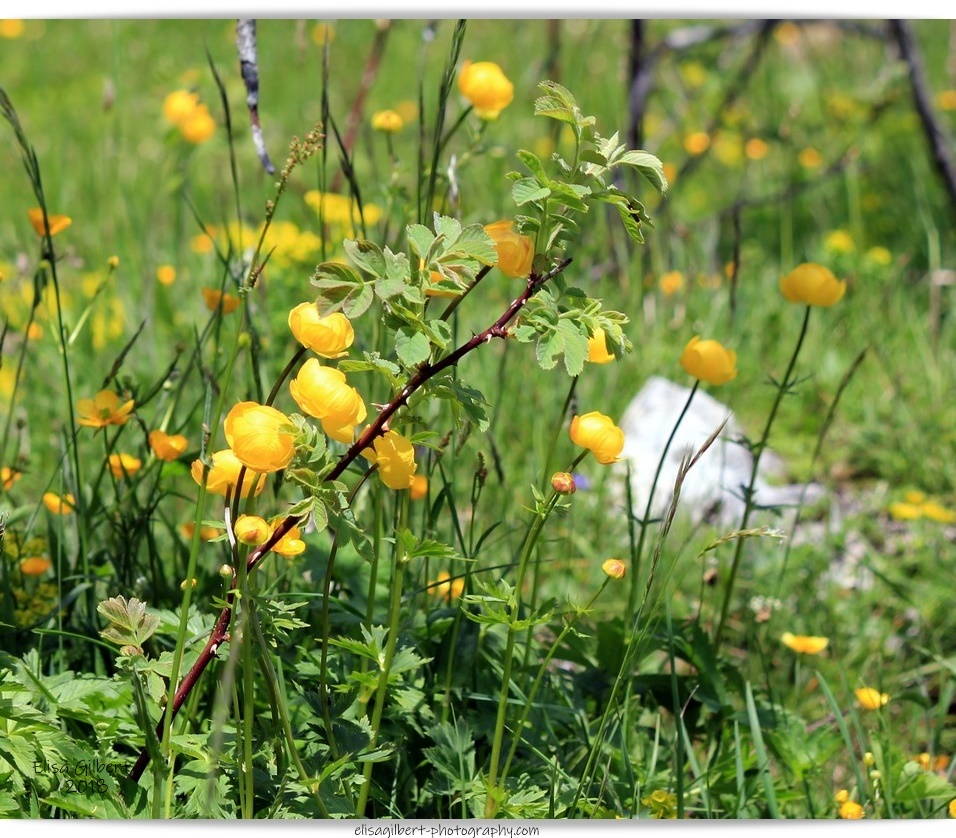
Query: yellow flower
x=252, y=530
x=395, y=458
x=166, y=274
x=597, y=348
x=102, y=410
x=291, y=544
x=614, y=568
x=914, y=496
x=599, y=435
x=419, y=488
x=839, y=241
x=113, y=262
x=446, y=588
x=663, y=805
x=952, y=803
x=213, y=297
x=124, y=465
x=936, y=512
x=224, y=474
x=486, y=87
x=11, y=28
x=946, y=99
x=879, y=256
x=870, y=698
x=671, y=283
x=323, y=33
x=323, y=393
x=842, y=796
x=167, y=446
x=387, y=121
x=696, y=143
x=59, y=505
x=35, y=566
x=851, y=811
x=709, y=361
x=9, y=476
x=905, y=511
x=804, y=644
x=202, y=243
x=812, y=284
x=205, y=533
x=179, y=105
x=515, y=252
x=809, y=158
x=756, y=149
x=259, y=436
x=35, y=332
x=328, y=337
x=58, y=223
x=199, y=126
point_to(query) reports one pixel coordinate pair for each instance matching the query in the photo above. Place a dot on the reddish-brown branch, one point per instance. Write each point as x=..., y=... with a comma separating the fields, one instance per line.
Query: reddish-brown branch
x=498, y=329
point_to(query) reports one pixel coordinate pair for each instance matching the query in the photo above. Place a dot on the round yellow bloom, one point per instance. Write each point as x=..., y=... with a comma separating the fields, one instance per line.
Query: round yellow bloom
x=205, y=533
x=166, y=274
x=487, y=88
x=179, y=105
x=387, y=121
x=905, y=511
x=124, y=465
x=103, y=409
x=224, y=474
x=35, y=566
x=35, y=332
x=11, y=28
x=804, y=644
x=756, y=149
x=696, y=143
x=810, y=158
x=599, y=435
x=563, y=483
x=515, y=252
x=842, y=796
x=812, y=284
x=597, y=348
x=671, y=283
x=327, y=337
x=839, y=241
x=709, y=361
x=59, y=505
x=167, y=446
x=113, y=262
x=291, y=544
x=419, y=488
x=9, y=476
x=58, y=223
x=614, y=568
x=323, y=393
x=213, y=297
x=851, y=811
x=879, y=256
x=870, y=698
x=937, y=512
x=199, y=126
x=952, y=803
x=395, y=457
x=252, y=530
x=259, y=437
x=446, y=588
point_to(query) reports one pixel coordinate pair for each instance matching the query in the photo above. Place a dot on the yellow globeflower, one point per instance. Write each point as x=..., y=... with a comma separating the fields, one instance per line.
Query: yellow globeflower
x=291, y=544
x=328, y=337
x=179, y=105
x=812, y=284
x=59, y=505
x=9, y=476
x=870, y=698
x=252, y=530
x=323, y=393
x=205, y=533
x=671, y=283
x=213, y=297
x=166, y=274
x=709, y=361
x=515, y=252
x=614, y=568
x=810, y=158
x=124, y=465
x=696, y=143
x=446, y=588
x=599, y=435
x=395, y=458
x=419, y=487
x=597, y=348
x=851, y=810
x=58, y=223
x=35, y=566
x=387, y=122
x=103, y=409
x=804, y=644
x=487, y=88
x=260, y=436
x=167, y=446
x=199, y=126
x=224, y=474
x=756, y=149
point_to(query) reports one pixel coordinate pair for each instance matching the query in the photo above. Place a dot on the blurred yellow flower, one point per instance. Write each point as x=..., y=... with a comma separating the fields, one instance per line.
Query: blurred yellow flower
x=446, y=588
x=291, y=544
x=407, y=109
x=946, y=100
x=756, y=149
x=322, y=392
x=487, y=88
x=419, y=488
x=224, y=474
x=879, y=256
x=599, y=435
x=597, y=348
x=614, y=568
x=166, y=446
x=166, y=274
x=260, y=436
x=804, y=644
x=663, y=805
x=395, y=457
x=11, y=28
x=671, y=283
x=693, y=73
x=323, y=33
x=252, y=530
x=113, y=262
x=387, y=121
x=787, y=33
x=851, y=811
x=35, y=332
x=199, y=126
x=870, y=698
x=842, y=796
x=202, y=243
x=205, y=533
x=35, y=566
x=124, y=465
x=213, y=298
x=809, y=158
x=59, y=505
x=952, y=808
x=179, y=105
x=709, y=361
x=515, y=252
x=905, y=511
x=696, y=143
x=936, y=512
x=58, y=223
x=670, y=172
x=327, y=337
x=103, y=409
x=812, y=284
x=9, y=476
x=839, y=241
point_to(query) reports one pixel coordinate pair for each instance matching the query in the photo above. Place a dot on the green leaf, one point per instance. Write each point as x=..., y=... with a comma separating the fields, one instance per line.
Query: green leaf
x=575, y=346
x=365, y=255
x=549, y=348
x=412, y=347
x=527, y=190
x=474, y=243
x=917, y=784
x=649, y=166
x=421, y=239
x=533, y=165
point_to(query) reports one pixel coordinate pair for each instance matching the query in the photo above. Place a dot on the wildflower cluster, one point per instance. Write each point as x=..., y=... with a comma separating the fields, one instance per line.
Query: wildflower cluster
x=183, y=110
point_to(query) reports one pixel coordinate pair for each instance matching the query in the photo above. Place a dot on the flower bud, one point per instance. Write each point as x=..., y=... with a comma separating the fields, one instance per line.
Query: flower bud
x=868, y=758
x=614, y=568
x=563, y=483
x=252, y=530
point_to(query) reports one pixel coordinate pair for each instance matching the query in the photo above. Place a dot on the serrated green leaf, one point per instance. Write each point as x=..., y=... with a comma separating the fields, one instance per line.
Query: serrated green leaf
x=575, y=346
x=387, y=289
x=527, y=190
x=533, y=165
x=649, y=166
x=412, y=347
x=447, y=227
x=439, y=332
x=421, y=239
x=365, y=255
x=474, y=243
x=549, y=348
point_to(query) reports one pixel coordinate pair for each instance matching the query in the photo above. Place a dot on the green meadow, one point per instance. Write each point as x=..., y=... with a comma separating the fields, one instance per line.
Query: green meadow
x=313, y=502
